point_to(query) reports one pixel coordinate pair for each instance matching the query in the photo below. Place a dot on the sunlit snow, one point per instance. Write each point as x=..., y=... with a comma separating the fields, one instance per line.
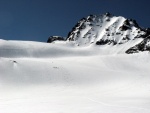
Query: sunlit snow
x=38, y=77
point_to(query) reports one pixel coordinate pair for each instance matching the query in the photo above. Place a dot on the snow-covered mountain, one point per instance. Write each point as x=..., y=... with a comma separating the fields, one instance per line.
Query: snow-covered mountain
x=104, y=29
x=108, y=29
x=88, y=72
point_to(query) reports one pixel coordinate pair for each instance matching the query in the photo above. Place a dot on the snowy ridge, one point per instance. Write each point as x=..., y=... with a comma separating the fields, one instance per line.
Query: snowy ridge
x=30, y=49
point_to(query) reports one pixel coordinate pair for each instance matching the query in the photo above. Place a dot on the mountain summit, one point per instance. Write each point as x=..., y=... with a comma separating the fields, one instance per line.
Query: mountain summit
x=104, y=29
x=108, y=29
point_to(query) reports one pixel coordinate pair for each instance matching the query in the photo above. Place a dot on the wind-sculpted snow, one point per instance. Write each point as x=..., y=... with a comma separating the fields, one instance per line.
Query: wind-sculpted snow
x=17, y=49
x=29, y=49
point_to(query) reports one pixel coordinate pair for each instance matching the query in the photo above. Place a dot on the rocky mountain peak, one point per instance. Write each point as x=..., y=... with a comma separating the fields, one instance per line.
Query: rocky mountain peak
x=104, y=29
x=107, y=29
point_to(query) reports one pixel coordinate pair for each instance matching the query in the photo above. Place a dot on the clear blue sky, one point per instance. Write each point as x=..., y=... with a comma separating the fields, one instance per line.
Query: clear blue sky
x=36, y=20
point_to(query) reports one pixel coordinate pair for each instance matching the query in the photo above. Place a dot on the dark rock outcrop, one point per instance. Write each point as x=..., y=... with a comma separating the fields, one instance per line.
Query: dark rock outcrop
x=143, y=46
x=55, y=38
x=103, y=42
x=124, y=28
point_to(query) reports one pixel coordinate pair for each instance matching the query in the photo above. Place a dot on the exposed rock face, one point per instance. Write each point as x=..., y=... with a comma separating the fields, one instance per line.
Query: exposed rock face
x=143, y=46
x=55, y=38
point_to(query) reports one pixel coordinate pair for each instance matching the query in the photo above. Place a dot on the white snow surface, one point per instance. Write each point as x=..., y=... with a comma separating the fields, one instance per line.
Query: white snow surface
x=60, y=77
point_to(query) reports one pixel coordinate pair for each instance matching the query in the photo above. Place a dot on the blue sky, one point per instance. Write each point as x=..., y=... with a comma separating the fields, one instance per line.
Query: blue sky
x=36, y=20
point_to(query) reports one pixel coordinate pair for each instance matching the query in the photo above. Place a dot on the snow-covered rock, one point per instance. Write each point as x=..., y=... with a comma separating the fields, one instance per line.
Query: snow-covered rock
x=143, y=46
x=55, y=38
x=106, y=29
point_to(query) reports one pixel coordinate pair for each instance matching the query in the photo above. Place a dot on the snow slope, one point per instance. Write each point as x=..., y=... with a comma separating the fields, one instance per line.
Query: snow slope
x=60, y=77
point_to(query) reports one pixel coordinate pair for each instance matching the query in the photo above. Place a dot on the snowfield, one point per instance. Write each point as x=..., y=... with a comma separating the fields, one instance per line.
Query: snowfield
x=38, y=77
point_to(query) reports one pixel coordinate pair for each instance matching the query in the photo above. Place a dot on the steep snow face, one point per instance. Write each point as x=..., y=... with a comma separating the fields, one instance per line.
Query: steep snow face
x=105, y=29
